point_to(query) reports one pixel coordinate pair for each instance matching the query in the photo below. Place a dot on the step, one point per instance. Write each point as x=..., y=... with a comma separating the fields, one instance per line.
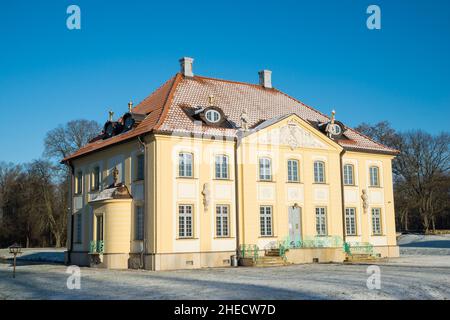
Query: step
x=270, y=261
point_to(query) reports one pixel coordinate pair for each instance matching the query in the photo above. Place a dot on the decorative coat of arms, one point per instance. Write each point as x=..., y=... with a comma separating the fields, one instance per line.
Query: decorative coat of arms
x=294, y=136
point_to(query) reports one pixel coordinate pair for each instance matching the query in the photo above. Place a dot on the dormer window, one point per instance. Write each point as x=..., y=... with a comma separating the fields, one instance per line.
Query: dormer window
x=212, y=116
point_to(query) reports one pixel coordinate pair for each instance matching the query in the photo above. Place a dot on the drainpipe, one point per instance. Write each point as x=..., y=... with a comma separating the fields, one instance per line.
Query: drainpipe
x=342, y=193
x=236, y=190
x=144, y=240
x=69, y=259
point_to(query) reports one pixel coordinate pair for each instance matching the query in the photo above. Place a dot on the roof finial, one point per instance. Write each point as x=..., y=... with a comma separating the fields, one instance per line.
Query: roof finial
x=111, y=114
x=333, y=112
x=130, y=106
x=244, y=120
x=211, y=99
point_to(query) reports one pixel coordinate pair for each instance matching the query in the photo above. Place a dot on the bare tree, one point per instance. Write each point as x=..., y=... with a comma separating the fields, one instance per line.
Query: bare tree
x=46, y=193
x=65, y=139
x=421, y=171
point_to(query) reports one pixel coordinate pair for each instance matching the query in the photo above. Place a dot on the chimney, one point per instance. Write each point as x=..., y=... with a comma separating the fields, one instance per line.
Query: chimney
x=186, y=66
x=265, y=78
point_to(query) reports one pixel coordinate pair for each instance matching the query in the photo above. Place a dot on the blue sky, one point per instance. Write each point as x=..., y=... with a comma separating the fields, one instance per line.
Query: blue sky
x=319, y=51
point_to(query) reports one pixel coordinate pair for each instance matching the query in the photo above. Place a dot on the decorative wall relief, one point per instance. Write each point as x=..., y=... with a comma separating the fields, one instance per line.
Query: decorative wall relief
x=291, y=135
x=206, y=196
x=365, y=199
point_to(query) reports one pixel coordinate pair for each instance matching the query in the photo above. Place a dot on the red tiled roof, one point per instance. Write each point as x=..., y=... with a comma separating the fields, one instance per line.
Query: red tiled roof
x=164, y=109
x=155, y=106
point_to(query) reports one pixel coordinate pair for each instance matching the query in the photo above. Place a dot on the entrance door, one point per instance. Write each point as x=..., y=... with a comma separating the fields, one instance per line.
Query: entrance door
x=295, y=228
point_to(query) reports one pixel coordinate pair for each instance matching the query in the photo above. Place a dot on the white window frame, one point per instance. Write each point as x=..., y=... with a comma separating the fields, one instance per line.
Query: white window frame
x=377, y=228
x=293, y=170
x=214, y=114
x=349, y=176
x=374, y=180
x=185, y=221
x=350, y=221
x=139, y=222
x=319, y=172
x=321, y=221
x=222, y=220
x=221, y=165
x=266, y=221
x=265, y=169
x=185, y=165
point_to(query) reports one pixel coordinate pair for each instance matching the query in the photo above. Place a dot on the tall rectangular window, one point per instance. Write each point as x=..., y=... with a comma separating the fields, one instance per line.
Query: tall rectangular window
x=348, y=175
x=95, y=185
x=376, y=221
x=222, y=220
x=185, y=165
x=319, y=172
x=350, y=221
x=140, y=167
x=185, y=221
x=79, y=182
x=221, y=167
x=293, y=171
x=79, y=221
x=139, y=216
x=321, y=221
x=374, y=176
x=265, y=169
x=265, y=219
x=99, y=227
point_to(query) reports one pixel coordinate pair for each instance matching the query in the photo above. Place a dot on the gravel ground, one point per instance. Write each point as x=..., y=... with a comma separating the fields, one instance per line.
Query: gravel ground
x=420, y=273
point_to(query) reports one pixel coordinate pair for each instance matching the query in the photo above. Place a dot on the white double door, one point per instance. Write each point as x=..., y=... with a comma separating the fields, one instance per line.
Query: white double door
x=295, y=224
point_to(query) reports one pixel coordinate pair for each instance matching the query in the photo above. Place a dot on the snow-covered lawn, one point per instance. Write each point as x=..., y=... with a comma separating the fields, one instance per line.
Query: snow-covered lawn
x=37, y=254
x=417, y=274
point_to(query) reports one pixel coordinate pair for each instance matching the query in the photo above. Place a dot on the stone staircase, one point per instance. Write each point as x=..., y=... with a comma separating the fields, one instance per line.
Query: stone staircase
x=271, y=258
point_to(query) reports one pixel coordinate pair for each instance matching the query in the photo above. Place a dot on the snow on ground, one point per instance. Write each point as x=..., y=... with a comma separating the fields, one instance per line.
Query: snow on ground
x=52, y=255
x=419, y=244
x=309, y=281
x=421, y=273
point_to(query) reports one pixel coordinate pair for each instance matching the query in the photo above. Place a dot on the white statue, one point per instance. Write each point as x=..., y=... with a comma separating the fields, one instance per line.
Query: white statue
x=244, y=120
x=206, y=196
x=365, y=199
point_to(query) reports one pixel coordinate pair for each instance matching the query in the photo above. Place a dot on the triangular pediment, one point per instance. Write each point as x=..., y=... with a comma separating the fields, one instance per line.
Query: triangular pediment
x=290, y=131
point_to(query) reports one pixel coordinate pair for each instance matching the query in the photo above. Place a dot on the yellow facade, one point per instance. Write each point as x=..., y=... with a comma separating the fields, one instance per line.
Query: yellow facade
x=163, y=191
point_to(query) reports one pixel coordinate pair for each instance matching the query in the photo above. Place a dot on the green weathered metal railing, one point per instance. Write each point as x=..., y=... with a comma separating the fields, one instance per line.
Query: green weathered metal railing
x=249, y=251
x=309, y=242
x=96, y=246
x=358, y=248
x=252, y=251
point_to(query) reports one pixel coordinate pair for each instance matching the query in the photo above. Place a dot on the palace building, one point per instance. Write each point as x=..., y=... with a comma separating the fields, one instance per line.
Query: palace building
x=205, y=169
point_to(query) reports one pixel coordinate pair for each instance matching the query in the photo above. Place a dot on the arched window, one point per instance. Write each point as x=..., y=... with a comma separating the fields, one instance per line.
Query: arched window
x=265, y=169
x=374, y=176
x=293, y=170
x=221, y=167
x=185, y=165
x=349, y=175
x=319, y=172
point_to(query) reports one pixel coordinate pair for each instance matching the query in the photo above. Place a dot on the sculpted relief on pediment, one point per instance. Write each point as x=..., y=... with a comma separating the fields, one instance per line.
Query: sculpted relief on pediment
x=291, y=135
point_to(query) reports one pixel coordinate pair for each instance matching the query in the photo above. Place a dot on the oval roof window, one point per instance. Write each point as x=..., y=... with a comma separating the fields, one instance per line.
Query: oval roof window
x=212, y=116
